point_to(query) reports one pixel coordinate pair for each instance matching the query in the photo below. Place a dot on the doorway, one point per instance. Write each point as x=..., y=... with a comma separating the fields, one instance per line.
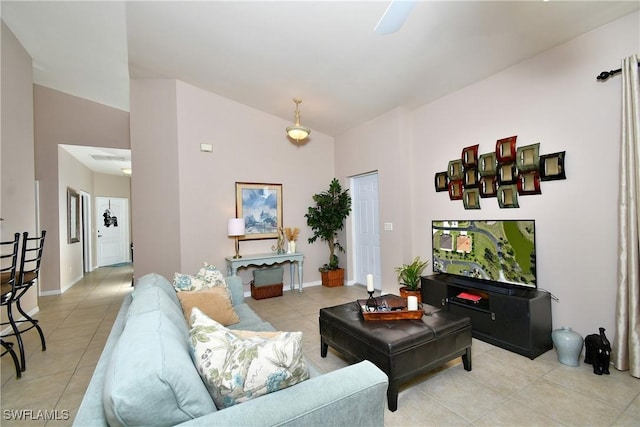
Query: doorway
x=366, y=228
x=85, y=206
x=112, y=227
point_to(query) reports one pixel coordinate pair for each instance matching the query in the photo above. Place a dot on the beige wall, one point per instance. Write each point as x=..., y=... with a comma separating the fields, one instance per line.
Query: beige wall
x=175, y=183
x=154, y=184
x=64, y=119
x=76, y=176
x=553, y=99
x=18, y=200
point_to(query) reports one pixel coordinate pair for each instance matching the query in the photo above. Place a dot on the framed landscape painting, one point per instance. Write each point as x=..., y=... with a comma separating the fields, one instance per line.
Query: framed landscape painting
x=261, y=207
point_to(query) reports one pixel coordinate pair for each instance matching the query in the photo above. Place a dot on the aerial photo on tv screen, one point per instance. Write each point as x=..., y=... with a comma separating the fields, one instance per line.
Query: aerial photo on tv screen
x=502, y=251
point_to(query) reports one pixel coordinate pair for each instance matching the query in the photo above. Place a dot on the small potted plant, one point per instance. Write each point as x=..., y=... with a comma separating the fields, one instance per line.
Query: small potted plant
x=326, y=218
x=409, y=277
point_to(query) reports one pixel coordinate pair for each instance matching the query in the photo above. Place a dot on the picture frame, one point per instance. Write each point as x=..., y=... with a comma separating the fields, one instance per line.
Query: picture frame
x=506, y=149
x=528, y=157
x=455, y=189
x=454, y=170
x=487, y=164
x=529, y=183
x=508, y=196
x=260, y=204
x=470, y=179
x=73, y=216
x=552, y=166
x=488, y=186
x=470, y=155
x=471, y=198
x=441, y=181
x=507, y=173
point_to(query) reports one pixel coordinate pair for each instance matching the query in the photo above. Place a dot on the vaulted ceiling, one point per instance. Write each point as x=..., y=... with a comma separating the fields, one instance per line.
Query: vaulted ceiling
x=265, y=53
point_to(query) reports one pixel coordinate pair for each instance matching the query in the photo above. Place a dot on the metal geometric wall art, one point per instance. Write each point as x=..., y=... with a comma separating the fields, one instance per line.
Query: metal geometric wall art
x=505, y=173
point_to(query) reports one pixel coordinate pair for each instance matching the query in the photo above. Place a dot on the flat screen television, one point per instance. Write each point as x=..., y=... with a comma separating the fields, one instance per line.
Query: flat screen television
x=499, y=252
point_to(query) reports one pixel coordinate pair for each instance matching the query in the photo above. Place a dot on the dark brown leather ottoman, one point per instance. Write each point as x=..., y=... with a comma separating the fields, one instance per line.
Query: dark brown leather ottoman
x=402, y=349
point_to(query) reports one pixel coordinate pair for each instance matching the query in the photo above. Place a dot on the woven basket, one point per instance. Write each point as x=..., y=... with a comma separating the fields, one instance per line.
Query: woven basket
x=266, y=291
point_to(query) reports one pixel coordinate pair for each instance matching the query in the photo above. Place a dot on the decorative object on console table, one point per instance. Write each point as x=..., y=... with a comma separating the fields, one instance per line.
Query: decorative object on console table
x=568, y=345
x=409, y=276
x=326, y=218
x=292, y=236
x=235, y=229
x=279, y=247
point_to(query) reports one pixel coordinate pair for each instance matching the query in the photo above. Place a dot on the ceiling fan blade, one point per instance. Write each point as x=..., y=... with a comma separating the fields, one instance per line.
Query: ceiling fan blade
x=395, y=16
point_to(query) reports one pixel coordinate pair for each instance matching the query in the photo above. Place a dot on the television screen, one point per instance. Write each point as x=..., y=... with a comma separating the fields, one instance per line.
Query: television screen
x=502, y=251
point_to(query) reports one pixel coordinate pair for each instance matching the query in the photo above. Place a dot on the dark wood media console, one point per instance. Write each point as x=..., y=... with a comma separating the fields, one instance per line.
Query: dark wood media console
x=517, y=320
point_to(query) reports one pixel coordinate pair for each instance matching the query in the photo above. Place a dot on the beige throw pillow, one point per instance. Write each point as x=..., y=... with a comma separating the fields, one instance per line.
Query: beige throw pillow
x=214, y=302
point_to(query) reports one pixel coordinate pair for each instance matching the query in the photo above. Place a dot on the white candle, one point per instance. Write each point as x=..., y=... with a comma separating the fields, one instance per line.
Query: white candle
x=369, y=282
x=412, y=303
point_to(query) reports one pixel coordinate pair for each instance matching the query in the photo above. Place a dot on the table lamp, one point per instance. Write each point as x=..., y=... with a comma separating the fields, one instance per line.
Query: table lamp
x=235, y=228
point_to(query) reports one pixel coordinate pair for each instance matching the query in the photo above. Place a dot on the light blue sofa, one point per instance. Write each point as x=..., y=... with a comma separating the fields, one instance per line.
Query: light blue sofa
x=145, y=375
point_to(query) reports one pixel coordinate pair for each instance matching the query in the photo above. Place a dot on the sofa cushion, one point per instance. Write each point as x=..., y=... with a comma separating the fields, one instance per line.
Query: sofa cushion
x=153, y=298
x=236, y=289
x=151, y=379
x=237, y=369
x=213, y=302
x=248, y=318
x=154, y=280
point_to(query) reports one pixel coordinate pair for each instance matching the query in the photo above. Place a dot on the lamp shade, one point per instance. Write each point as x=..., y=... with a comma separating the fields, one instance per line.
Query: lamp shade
x=235, y=227
x=298, y=132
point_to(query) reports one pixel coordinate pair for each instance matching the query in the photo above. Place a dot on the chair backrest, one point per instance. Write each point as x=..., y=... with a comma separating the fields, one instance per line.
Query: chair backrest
x=30, y=259
x=8, y=264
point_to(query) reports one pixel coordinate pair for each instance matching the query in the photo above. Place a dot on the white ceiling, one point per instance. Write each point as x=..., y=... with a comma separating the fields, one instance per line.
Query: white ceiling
x=265, y=53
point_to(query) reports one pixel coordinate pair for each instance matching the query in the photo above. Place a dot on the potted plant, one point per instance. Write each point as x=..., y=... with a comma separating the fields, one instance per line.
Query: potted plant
x=409, y=276
x=326, y=218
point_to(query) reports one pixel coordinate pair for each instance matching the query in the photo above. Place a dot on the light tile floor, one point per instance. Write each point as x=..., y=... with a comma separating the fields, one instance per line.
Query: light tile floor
x=503, y=389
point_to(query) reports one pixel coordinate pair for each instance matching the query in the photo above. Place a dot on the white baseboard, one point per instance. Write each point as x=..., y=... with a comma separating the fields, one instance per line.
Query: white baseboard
x=31, y=313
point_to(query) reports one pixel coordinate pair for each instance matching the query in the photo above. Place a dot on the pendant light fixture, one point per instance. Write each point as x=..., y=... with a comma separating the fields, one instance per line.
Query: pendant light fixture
x=297, y=131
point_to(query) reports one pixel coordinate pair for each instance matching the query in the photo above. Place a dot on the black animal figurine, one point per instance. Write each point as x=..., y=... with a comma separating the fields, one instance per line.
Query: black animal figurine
x=598, y=352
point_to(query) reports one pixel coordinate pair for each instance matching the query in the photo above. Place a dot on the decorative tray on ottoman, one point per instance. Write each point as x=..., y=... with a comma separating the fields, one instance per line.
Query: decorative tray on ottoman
x=389, y=307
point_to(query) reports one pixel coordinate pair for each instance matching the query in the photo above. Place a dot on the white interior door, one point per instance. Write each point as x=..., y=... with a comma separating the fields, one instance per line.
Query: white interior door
x=364, y=191
x=112, y=226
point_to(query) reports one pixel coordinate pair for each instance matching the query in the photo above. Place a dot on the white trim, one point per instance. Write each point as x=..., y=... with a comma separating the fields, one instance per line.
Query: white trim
x=31, y=313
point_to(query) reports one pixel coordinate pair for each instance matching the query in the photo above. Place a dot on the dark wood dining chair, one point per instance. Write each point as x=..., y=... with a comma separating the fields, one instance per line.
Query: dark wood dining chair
x=26, y=275
x=8, y=264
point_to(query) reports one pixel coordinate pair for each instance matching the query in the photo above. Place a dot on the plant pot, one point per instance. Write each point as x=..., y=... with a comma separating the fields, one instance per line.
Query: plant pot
x=333, y=278
x=405, y=292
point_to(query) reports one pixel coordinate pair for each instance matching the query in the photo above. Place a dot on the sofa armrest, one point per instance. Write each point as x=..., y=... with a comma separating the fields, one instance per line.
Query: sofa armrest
x=234, y=283
x=91, y=412
x=353, y=396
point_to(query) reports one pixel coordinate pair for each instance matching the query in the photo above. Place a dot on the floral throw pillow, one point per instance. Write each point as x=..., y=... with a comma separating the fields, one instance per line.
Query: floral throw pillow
x=207, y=277
x=211, y=275
x=187, y=282
x=240, y=367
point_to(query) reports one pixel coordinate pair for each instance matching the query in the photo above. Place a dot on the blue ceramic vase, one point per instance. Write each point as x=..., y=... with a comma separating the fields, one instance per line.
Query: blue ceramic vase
x=568, y=344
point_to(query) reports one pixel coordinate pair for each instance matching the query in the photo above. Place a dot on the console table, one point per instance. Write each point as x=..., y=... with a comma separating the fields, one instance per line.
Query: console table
x=233, y=264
